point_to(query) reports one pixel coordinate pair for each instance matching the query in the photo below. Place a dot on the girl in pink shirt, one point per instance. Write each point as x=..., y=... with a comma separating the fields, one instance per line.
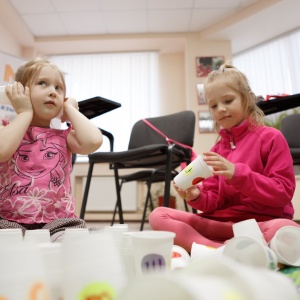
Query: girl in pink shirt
x=253, y=171
x=35, y=160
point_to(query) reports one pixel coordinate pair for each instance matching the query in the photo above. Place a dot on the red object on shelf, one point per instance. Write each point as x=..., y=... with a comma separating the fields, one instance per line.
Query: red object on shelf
x=172, y=202
x=268, y=97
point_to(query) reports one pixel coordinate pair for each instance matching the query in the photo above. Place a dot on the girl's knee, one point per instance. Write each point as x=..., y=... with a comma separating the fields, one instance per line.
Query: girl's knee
x=157, y=216
x=269, y=228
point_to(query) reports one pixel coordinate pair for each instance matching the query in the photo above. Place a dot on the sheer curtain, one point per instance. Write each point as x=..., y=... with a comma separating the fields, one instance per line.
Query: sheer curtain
x=273, y=67
x=128, y=78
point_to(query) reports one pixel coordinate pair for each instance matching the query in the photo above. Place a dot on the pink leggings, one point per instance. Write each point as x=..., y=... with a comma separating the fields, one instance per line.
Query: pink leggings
x=191, y=227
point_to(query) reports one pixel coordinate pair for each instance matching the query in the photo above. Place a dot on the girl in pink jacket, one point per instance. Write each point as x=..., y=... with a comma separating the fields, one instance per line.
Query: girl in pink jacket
x=253, y=171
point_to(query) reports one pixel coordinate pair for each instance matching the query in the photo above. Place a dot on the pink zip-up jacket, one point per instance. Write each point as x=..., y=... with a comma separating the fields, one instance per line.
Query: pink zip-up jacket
x=263, y=183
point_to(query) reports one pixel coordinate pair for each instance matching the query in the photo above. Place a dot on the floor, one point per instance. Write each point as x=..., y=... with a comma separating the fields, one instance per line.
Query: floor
x=132, y=226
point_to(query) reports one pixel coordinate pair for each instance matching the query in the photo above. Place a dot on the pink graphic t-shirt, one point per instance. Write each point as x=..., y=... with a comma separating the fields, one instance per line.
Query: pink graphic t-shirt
x=35, y=183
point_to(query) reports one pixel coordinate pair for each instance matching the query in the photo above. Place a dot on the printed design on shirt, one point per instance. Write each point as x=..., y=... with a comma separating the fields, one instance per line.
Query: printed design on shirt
x=33, y=185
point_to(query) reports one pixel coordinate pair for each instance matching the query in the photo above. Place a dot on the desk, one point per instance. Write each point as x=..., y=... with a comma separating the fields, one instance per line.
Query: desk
x=279, y=104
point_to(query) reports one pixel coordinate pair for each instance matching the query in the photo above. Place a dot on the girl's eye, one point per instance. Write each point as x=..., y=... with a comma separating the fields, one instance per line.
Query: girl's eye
x=42, y=83
x=58, y=88
x=228, y=101
x=213, y=106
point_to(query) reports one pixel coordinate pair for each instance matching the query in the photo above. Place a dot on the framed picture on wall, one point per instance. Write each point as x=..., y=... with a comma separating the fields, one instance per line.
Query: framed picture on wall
x=200, y=94
x=206, y=64
x=206, y=122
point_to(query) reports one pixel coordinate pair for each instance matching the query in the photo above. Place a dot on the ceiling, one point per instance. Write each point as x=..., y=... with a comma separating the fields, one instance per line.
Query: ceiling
x=245, y=22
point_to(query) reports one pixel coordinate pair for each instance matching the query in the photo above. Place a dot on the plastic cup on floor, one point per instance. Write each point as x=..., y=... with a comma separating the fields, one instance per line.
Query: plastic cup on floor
x=152, y=251
x=22, y=273
x=248, y=228
x=74, y=233
x=92, y=268
x=117, y=230
x=127, y=255
x=193, y=173
x=199, y=251
x=51, y=257
x=11, y=235
x=286, y=245
x=37, y=235
x=180, y=258
x=249, y=251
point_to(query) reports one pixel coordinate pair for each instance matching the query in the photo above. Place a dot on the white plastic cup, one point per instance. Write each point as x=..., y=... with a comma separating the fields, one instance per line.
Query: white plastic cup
x=3, y=97
x=10, y=235
x=73, y=234
x=22, y=273
x=249, y=251
x=249, y=228
x=117, y=230
x=52, y=260
x=193, y=173
x=286, y=245
x=199, y=251
x=37, y=235
x=152, y=251
x=92, y=267
x=127, y=255
x=180, y=258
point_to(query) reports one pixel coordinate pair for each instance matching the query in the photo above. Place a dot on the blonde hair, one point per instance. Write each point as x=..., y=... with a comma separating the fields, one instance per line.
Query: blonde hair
x=237, y=81
x=29, y=71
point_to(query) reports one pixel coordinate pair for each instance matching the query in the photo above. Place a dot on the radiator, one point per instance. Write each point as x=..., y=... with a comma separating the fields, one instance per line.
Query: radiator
x=102, y=194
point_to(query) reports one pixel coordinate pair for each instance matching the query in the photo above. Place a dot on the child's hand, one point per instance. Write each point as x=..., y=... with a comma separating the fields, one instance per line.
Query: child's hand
x=19, y=97
x=68, y=102
x=221, y=165
x=189, y=194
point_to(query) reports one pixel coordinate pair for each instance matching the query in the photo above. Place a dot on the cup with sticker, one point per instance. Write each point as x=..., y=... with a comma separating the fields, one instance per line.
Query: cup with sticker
x=152, y=251
x=193, y=173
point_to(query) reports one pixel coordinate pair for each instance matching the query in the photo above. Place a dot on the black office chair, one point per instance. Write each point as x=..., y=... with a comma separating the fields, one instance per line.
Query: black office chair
x=289, y=127
x=151, y=151
x=148, y=177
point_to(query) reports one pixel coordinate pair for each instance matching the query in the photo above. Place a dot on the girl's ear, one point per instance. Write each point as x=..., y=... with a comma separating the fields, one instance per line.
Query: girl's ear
x=65, y=99
x=252, y=94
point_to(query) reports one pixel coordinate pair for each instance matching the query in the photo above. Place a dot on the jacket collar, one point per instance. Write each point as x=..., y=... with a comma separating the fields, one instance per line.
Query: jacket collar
x=235, y=131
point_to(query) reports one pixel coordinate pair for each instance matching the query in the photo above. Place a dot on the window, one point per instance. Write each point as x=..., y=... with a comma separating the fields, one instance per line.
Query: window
x=273, y=67
x=128, y=78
